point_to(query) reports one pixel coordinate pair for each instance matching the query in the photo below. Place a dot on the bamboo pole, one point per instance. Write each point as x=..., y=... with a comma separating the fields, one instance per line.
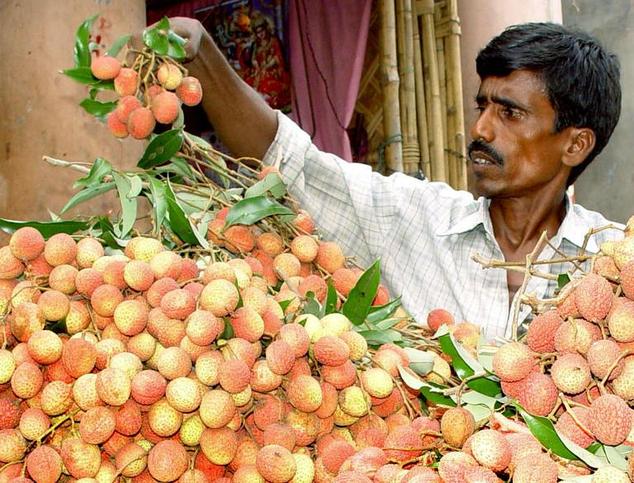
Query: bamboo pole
x=453, y=65
x=439, y=172
x=390, y=83
x=421, y=109
x=442, y=83
x=407, y=98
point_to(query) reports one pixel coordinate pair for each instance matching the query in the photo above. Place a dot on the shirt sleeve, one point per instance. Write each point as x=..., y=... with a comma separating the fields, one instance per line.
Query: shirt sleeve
x=349, y=203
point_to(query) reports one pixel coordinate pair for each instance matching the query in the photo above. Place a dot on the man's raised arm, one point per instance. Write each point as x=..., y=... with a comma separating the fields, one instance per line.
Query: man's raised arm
x=243, y=121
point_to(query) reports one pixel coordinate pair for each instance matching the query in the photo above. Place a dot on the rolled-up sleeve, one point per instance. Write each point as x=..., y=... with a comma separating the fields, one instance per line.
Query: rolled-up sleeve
x=349, y=203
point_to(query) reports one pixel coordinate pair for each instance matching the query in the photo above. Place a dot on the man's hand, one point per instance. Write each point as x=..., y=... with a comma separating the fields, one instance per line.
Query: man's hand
x=243, y=120
x=192, y=31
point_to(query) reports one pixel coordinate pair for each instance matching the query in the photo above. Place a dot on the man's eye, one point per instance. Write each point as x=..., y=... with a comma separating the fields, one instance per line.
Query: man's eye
x=511, y=113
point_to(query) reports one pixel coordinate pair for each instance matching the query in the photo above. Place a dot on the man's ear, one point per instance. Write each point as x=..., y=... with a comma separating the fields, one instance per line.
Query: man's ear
x=580, y=143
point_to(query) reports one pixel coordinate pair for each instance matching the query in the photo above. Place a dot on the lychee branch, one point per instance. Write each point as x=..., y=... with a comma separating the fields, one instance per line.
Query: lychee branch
x=518, y=297
x=77, y=166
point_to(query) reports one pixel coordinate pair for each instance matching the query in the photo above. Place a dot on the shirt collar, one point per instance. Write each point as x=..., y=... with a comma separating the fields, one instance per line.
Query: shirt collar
x=573, y=228
x=478, y=214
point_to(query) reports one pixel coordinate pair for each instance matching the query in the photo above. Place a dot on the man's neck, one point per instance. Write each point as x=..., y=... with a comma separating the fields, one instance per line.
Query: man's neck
x=518, y=223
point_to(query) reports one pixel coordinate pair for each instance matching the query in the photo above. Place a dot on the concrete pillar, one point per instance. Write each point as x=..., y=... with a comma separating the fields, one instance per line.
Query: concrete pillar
x=39, y=106
x=481, y=20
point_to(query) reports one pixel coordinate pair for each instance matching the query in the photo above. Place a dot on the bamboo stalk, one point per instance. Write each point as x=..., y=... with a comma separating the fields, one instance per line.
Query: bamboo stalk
x=407, y=98
x=421, y=109
x=450, y=114
x=454, y=66
x=390, y=83
x=442, y=80
x=439, y=172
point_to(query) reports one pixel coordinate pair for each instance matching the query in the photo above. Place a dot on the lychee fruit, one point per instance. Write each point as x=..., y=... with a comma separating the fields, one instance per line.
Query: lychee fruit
x=125, y=83
x=190, y=91
x=513, y=361
x=610, y=419
x=26, y=243
x=105, y=67
x=170, y=76
x=571, y=373
x=165, y=107
x=540, y=336
x=141, y=123
x=593, y=297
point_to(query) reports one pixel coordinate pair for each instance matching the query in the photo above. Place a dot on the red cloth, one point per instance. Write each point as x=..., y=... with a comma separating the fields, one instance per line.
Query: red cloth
x=327, y=49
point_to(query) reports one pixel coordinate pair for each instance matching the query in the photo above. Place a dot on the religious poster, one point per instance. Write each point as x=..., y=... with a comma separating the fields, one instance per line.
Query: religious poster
x=251, y=35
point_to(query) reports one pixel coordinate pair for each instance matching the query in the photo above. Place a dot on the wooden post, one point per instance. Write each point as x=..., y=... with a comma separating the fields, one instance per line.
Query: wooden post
x=458, y=155
x=439, y=171
x=390, y=82
x=421, y=109
x=411, y=149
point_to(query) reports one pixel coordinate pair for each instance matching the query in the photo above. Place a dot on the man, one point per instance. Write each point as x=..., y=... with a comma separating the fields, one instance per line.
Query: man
x=548, y=102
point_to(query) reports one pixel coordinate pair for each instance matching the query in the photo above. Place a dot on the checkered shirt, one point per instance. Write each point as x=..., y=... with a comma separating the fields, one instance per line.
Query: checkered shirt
x=424, y=233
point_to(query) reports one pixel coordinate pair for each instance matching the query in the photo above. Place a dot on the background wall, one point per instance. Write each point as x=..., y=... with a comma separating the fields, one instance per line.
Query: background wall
x=39, y=106
x=606, y=185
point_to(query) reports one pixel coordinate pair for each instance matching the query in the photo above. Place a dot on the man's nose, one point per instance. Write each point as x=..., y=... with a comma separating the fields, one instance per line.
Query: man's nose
x=482, y=128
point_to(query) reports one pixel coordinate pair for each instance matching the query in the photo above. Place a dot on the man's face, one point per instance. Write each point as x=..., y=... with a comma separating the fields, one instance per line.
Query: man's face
x=515, y=149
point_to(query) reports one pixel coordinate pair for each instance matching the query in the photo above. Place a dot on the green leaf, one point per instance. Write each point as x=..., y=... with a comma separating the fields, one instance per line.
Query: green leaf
x=312, y=306
x=272, y=183
x=179, y=222
x=82, y=75
x=179, y=122
x=156, y=40
x=227, y=333
x=421, y=362
x=285, y=303
x=193, y=202
x=97, y=108
x=252, y=210
x=159, y=204
x=379, y=337
x=117, y=45
x=178, y=166
x=176, y=39
x=562, y=280
x=107, y=233
x=46, y=228
x=128, y=204
x=81, y=52
x=386, y=324
x=615, y=456
x=99, y=169
x=481, y=384
x=87, y=194
x=58, y=327
x=161, y=149
x=383, y=311
x=429, y=394
x=175, y=51
x=331, y=299
x=360, y=298
x=543, y=429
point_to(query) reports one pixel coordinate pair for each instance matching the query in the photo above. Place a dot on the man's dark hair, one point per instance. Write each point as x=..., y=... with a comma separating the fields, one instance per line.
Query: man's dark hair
x=581, y=77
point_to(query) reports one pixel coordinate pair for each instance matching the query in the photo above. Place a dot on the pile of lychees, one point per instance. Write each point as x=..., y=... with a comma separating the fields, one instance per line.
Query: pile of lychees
x=150, y=93
x=141, y=365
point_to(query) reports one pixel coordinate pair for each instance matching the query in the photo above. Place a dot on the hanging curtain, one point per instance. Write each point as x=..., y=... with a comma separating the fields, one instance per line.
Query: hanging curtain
x=327, y=49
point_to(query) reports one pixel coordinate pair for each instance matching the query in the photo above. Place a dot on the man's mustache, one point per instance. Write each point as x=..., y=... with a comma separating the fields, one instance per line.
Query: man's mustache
x=480, y=146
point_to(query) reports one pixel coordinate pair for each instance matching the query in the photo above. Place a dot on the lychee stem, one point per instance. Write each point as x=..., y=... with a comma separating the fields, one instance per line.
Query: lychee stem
x=573, y=415
x=622, y=356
